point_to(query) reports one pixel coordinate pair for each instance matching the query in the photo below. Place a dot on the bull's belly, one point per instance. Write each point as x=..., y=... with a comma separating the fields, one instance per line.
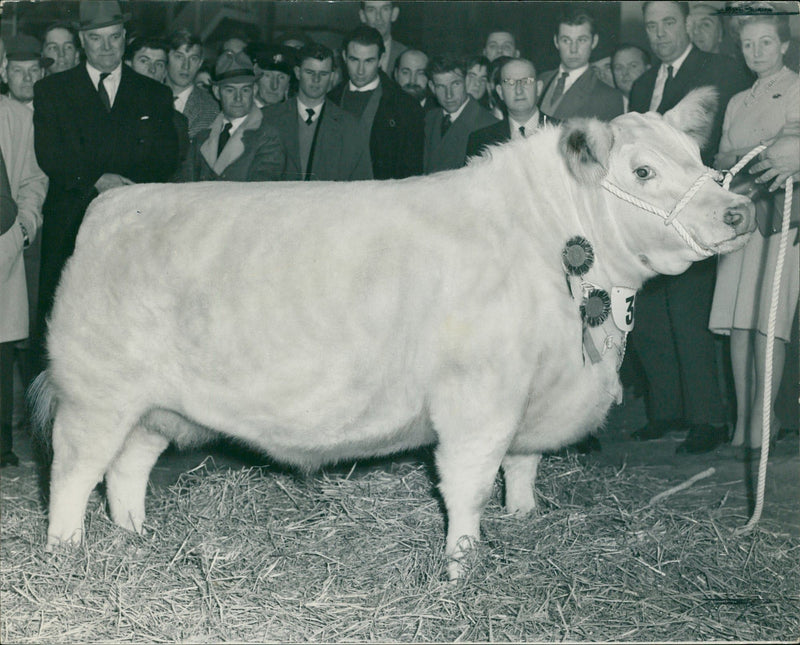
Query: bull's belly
x=565, y=410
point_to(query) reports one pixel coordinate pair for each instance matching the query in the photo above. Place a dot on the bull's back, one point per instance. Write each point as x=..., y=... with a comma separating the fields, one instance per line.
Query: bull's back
x=233, y=302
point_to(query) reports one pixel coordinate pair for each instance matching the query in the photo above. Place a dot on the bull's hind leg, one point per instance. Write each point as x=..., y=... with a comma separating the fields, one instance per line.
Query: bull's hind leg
x=474, y=429
x=127, y=477
x=84, y=444
x=519, y=472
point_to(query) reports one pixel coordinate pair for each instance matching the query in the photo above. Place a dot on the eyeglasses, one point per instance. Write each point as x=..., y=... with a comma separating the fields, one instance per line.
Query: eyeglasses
x=524, y=82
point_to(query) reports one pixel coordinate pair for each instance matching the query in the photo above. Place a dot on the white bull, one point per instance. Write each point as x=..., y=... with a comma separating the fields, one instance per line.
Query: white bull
x=321, y=321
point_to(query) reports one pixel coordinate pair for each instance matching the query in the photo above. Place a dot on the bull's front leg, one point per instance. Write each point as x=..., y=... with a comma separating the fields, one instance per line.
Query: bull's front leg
x=519, y=472
x=475, y=419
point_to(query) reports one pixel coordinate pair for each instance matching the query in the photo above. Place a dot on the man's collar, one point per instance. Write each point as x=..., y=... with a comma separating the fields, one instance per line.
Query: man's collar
x=185, y=92
x=457, y=113
x=367, y=88
x=676, y=64
x=235, y=123
x=530, y=125
x=573, y=73
x=302, y=107
x=95, y=73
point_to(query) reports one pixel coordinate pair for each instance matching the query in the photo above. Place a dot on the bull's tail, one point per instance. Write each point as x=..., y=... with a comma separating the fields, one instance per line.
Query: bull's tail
x=42, y=404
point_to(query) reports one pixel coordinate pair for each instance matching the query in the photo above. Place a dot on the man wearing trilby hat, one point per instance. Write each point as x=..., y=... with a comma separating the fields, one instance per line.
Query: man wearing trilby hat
x=96, y=126
x=240, y=145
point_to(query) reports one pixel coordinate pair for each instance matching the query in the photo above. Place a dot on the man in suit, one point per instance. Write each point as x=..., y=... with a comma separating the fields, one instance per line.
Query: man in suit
x=388, y=118
x=447, y=130
x=628, y=63
x=184, y=59
x=96, y=126
x=381, y=16
x=240, y=145
x=671, y=335
x=574, y=89
x=517, y=90
x=320, y=140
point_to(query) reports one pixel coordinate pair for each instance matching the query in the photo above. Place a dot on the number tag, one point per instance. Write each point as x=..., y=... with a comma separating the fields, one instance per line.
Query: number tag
x=622, y=305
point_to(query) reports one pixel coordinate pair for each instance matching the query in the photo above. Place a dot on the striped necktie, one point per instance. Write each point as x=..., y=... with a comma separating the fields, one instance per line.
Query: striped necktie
x=101, y=91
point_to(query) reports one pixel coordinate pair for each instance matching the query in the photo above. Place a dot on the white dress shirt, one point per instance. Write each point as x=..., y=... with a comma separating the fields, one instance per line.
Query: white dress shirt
x=111, y=83
x=661, y=79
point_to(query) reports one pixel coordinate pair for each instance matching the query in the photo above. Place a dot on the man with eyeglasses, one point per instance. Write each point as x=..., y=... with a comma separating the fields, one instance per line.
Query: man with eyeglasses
x=517, y=90
x=321, y=141
x=574, y=89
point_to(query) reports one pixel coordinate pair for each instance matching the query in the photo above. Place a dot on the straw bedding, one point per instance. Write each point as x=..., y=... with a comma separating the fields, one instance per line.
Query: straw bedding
x=264, y=555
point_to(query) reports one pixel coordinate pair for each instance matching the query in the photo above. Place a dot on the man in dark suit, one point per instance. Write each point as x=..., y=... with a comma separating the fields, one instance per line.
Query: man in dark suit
x=388, y=118
x=574, y=89
x=96, y=126
x=517, y=90
x=320, y=140
x=447, y=130
x=671, y=335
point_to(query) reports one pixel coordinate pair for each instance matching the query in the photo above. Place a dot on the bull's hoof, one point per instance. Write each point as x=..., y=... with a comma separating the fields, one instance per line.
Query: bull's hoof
x=520, y=510
x=55, y=543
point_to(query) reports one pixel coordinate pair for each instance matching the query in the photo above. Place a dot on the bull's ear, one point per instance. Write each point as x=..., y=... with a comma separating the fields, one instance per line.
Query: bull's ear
x=694, y=115
x=586, y=145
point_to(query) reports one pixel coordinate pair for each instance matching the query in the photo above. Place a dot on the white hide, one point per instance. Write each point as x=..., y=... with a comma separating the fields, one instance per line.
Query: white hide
x=326, y=321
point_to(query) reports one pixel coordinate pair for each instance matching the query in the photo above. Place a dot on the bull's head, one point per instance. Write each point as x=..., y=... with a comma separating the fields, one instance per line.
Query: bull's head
x=651, y=168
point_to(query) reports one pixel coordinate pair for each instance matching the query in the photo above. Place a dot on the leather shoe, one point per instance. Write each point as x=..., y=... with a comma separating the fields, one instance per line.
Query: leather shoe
x=703, y=437
x=656, y=429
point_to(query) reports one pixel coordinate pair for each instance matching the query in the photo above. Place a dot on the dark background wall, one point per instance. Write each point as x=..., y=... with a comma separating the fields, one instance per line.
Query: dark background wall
x=435, y=26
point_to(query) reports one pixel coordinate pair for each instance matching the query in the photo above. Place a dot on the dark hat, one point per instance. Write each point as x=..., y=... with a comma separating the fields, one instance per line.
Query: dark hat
x=94, y=14
x=234, y=68
x=279, y=58
x=24, y=47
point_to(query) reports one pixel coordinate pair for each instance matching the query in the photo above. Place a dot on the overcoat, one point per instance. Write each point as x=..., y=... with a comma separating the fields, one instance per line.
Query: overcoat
x=253, y=153
x=588, y=96
x=27, y=187
x=449, y=152
x=397, y=136
x=340, y=153
x=77, y=141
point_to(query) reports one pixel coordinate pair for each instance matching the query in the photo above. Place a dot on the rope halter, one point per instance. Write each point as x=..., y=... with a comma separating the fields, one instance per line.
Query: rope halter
x=670, y=217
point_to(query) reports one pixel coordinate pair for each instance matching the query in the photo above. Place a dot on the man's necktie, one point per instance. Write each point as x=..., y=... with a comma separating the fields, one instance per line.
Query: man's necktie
x=101, y=90
x=559, y=89
x=310, y=119
x=446, y=123
x=223, y=138
x=669, y=81
x=522, y=131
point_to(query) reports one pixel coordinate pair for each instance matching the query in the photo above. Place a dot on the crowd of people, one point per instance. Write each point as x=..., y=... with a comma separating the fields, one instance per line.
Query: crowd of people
x=92, y=107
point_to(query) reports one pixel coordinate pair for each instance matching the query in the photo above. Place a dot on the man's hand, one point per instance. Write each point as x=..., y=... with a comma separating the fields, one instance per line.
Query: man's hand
x=781, y=159
x=110, y=180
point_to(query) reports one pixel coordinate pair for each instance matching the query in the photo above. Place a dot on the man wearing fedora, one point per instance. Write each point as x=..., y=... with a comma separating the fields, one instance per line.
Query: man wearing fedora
x=240, y=145
x=96, y=126
x=25, y=66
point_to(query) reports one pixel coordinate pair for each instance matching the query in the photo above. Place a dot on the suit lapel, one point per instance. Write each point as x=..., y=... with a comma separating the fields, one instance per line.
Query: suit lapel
x=575, y=95
x=682, y=81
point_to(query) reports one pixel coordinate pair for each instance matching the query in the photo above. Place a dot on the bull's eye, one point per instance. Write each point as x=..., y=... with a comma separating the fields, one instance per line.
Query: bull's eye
x=644, y=172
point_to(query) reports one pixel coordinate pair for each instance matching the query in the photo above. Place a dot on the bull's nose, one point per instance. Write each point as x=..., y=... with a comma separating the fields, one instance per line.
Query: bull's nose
x=741, y=217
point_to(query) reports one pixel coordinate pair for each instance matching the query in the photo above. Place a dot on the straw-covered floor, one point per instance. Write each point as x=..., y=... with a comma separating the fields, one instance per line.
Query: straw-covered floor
x=264, y=555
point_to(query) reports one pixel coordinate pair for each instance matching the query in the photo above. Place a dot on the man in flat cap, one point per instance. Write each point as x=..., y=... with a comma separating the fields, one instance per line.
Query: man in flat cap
x=25, y=67
x=96, y=126
x=273, y=67
x=240, y=145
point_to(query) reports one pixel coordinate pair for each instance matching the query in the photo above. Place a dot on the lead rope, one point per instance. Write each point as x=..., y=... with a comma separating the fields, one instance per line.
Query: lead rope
x=670, y=218
x=766, y=419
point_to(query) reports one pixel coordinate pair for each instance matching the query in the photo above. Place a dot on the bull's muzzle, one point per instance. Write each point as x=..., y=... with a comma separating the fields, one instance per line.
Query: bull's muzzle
x=741, y=216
